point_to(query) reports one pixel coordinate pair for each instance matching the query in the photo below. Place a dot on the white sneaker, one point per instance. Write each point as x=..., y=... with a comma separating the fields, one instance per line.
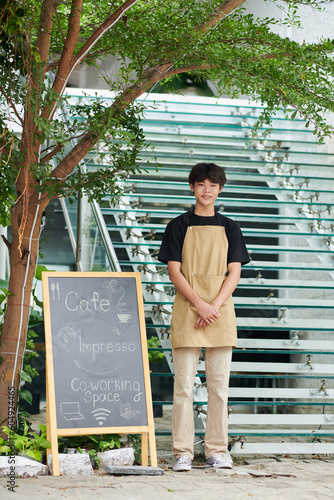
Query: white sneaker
x=182, y=463
x=218, y=462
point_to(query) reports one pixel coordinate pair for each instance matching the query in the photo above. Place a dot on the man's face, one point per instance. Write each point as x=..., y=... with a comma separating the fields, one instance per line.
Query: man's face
x=206, y=192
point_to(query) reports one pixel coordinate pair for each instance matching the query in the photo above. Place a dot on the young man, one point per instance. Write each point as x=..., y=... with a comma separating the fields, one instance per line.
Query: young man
x=204, y=251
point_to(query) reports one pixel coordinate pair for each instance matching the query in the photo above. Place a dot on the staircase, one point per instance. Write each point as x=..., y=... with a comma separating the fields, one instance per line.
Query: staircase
x=280, y=191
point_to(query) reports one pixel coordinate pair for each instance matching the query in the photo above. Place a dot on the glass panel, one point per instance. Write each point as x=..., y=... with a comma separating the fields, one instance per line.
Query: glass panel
x=93, y=252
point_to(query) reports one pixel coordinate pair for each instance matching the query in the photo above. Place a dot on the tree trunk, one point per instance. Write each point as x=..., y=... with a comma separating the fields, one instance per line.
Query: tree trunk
x=23, y=260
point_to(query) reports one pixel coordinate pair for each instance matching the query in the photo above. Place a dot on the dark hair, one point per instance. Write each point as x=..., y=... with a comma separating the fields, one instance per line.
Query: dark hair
x=202, y=171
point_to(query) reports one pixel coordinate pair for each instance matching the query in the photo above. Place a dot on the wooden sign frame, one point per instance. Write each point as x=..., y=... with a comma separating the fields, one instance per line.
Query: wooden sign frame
x=53, y=432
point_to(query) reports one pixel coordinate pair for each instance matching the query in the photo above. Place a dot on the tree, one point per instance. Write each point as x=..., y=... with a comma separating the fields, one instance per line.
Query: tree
x=43, y=42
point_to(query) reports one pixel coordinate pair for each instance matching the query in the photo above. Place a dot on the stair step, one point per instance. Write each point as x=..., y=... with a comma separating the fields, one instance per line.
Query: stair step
x=137, y=185
x=226, y=202
x=260, y=218
x=273, y=324
x=275, y=233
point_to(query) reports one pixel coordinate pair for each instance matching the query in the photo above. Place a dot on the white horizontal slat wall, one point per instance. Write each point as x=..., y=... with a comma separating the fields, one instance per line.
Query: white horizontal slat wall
x=280, y=191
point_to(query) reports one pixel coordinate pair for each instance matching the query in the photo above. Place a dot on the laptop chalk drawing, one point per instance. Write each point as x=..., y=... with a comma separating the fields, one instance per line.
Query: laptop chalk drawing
x=70, y=411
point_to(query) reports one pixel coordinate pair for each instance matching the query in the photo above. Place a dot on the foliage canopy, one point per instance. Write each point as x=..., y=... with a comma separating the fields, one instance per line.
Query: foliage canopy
x=42, y=42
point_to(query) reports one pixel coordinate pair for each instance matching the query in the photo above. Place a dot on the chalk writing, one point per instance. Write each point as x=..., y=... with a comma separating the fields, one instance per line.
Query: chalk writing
x=94, y=348
x=94, y=303
x=106, y=390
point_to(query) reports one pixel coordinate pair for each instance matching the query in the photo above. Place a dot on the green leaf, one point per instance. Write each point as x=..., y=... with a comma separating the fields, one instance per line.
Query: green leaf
x=25, y=377
x=36, y=455
x=3, y=284
x=26, y=395
x=40, y=269
x=38, y=302
x=42, y=428
x=4, y=449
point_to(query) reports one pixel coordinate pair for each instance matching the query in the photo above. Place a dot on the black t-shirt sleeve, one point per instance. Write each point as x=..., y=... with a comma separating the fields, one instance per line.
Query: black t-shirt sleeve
x=237, y=251
x=172, y=242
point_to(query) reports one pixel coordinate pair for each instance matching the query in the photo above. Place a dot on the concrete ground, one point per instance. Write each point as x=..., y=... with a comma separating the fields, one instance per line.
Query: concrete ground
x=270, y=478
x=259, y=477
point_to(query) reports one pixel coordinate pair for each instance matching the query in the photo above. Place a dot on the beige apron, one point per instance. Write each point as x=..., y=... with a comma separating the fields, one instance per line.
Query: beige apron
x=204, y=265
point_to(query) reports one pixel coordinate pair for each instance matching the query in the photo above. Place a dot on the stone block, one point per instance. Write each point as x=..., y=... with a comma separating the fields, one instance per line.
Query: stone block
x=23, y=467
x=135, y=470
x=110, y=458
x=73, y=465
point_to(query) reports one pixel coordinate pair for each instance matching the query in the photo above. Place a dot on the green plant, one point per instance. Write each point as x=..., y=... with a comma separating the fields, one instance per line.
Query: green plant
x=29, y=443
x=154, y=355
x=100, y=442
x=92, y=443
x=106, y=442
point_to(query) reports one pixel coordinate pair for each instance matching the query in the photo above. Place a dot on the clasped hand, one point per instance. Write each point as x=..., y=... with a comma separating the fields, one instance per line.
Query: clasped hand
x=207, y=314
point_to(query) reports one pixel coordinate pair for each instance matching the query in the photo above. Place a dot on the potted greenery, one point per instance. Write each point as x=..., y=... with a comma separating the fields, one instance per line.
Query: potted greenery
x=92, y=444
x=29, y=444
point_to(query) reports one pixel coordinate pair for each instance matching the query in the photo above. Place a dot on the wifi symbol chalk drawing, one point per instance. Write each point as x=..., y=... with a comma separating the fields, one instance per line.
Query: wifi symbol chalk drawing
x=101, y=414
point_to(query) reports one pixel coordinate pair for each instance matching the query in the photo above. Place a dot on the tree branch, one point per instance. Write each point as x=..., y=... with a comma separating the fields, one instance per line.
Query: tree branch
x=48, y=10
x=52, y=153
x=73, y=158
x=184, y=69
x=71, y=39
x=52, y=65
x=65, y=71
x=165, y=70
x=6, y=242
x=66, y=57
x=105, y=26
x=220, y=12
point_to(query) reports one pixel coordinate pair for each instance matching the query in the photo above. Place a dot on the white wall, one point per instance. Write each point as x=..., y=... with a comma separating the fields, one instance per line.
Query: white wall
x=315, y=24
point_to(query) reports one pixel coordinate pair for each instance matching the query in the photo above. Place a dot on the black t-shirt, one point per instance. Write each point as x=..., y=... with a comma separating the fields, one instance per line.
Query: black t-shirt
x=173, y=238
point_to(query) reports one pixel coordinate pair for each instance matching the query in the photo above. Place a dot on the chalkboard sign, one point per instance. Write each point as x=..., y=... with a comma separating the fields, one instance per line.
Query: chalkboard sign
x=97, y=363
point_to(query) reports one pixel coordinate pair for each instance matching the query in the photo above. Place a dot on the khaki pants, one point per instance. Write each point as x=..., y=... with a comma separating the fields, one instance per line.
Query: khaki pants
x=217, y=367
